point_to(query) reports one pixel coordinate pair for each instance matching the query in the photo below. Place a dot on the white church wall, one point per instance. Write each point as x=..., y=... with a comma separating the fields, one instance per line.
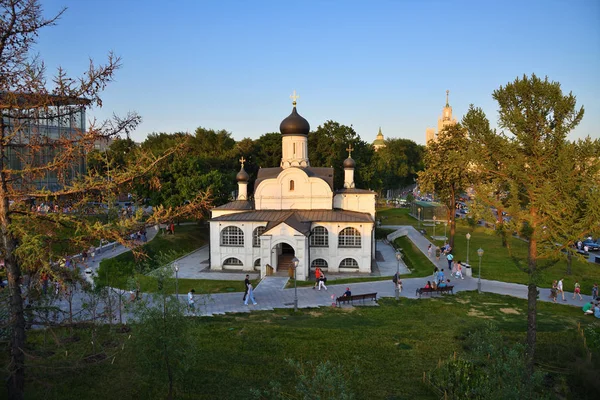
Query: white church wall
x=360, y=202
x=335, y=254
x=305, y=193
x=294, y=151
x=247, y=253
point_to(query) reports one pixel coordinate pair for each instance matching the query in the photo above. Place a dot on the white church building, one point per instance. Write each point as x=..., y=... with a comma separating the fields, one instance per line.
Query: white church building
x=295, y=212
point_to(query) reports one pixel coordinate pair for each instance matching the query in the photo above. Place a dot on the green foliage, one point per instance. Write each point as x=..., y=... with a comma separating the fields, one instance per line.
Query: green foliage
x=322, y=381
x=327, y=148
x=397, y=164
x=592, y=335
x=549, y=182
x=161, y=250
x=445, y=171
x=415, y=260
x=489, y=370
x=161, y=341
x=393, y=343
x=381, y=233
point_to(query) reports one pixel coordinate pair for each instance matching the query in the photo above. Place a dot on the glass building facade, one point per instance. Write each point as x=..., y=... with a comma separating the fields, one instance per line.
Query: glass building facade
x=36, y=137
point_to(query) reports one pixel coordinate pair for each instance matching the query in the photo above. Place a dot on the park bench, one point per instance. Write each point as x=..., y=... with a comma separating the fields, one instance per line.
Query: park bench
x=423, y=232
x=447, y=289
x=350, y=299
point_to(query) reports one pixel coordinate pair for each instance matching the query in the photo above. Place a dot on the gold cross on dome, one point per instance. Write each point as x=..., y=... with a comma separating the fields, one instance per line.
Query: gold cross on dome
x=349, y=150
x=242, y=160
x=294, y=96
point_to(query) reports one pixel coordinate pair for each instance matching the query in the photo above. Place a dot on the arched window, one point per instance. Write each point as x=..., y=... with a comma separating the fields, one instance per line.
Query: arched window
x=256, y=235
x=257, y=262
x=232, y=261
x=291, y=186
x=319, y=262
x=232, y=236
x=319, y=237
x=349, y=237
x=348, y=263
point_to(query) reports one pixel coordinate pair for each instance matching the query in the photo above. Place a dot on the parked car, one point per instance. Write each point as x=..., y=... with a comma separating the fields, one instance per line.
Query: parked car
x=592, y=246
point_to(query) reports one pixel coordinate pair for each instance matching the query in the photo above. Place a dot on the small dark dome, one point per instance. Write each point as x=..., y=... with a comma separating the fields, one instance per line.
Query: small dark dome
x=242, y=176
x=294, y=124
x=349, y=163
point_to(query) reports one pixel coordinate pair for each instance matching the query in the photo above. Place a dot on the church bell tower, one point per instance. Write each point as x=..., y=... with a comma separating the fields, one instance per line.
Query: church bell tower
x=294, y=141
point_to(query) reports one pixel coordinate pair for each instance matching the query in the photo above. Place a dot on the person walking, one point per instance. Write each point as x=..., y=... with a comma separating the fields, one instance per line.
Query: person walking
x=250, y=295
x=318, y=274
x=450, y=257
x=322, y=281
x=430, y=250
x=560, y=289
x=92, y=252
x=577, y=291
x=246, y=283
x=441, y=276
x=191, y=302
x=595, y=291
x=397, y=282
x=459, y=273
x=554, y=291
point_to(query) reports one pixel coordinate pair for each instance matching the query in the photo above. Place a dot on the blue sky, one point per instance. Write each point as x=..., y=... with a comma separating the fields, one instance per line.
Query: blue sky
x=233, y=64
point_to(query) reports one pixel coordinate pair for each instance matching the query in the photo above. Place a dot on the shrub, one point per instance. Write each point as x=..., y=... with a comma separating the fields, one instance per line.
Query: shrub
x=324, y=381
x=488, y=370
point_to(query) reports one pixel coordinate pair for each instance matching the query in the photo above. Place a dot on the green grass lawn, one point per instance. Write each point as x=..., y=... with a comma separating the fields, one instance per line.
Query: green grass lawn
x=160, y=251
x=391, y=345
x=496, y=263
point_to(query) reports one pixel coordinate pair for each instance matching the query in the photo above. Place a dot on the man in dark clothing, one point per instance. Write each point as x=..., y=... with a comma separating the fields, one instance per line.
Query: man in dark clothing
x=246, y=283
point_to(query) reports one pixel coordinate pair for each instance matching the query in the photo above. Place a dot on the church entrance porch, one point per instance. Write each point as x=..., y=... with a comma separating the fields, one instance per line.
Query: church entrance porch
x=285, y=254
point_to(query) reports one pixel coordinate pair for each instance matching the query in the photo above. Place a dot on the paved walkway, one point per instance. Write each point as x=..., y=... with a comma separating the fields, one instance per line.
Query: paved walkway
x=270, y=294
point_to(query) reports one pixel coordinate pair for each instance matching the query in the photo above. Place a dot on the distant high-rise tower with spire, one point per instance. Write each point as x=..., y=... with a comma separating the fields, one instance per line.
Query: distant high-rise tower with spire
x=379, y=142
x=445, y=120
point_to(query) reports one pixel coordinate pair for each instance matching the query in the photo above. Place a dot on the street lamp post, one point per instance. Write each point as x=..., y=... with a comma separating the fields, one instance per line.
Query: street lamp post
x=419, y=213
x=176, y=268
x=480, y=254
x=398, y=258
x=468, y=238
x=434, y=227
x=295, y=261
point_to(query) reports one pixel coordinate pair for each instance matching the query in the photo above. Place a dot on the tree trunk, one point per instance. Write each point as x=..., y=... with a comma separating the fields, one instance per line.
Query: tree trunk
x=532, y=295
x=16, y=368
x=452, y=216
x=166, y=353
x=569, y=261
x=16, y=379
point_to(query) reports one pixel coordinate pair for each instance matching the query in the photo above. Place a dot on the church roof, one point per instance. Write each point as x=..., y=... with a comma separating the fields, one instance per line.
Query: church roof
x=379, y=141
x=237, y=205
x=271, y=173
x=294, y=124
x=293, y=220
x=355, y=191
x=297, y=219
